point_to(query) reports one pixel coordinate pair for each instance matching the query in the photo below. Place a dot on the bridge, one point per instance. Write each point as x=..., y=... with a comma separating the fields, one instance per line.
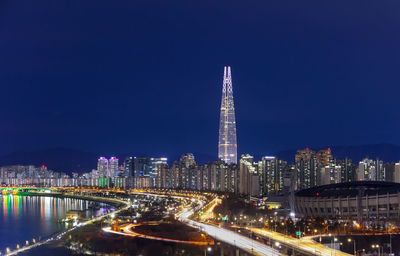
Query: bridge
x=26, y=190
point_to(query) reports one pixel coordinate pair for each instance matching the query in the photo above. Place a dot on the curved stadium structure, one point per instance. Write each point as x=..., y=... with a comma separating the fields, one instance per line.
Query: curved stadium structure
x=359, y=200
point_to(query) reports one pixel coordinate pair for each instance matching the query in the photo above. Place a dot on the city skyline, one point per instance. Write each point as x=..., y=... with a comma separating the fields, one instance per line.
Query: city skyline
x=251, y=176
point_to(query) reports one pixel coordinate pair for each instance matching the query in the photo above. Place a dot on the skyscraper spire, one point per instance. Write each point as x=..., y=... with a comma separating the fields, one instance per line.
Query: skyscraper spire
x=227, y=145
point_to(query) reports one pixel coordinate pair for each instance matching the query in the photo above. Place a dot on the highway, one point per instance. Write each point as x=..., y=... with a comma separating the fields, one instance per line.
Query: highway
x=228, y=236
x=224, y=235
x=308, y=246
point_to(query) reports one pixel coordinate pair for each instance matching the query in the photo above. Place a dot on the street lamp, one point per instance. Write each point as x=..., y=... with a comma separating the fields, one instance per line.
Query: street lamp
x=354, y=245
x=377, y=246
x=209, y=249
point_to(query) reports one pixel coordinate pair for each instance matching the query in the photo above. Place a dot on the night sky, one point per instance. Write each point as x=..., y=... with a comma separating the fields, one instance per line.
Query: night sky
x=146, y=76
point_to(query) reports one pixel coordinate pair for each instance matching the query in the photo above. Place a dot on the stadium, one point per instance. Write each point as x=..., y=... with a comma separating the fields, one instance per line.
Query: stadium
x=360, y=200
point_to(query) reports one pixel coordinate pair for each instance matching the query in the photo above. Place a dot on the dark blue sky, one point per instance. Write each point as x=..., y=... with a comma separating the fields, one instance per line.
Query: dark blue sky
x=145, y=76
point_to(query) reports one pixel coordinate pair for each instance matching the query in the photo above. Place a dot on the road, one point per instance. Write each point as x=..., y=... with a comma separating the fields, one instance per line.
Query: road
x=225, y=235
x=127, y=231
x=306, y=245
x=228, y=236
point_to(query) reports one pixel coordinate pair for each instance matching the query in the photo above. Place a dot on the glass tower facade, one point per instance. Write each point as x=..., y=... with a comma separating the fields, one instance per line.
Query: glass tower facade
x=227, y=145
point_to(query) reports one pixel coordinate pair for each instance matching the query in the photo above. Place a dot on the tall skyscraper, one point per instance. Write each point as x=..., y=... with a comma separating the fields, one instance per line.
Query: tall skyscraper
x=227, y=145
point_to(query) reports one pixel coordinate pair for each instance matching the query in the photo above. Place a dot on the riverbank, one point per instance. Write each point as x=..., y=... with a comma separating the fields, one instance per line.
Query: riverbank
x=120, y=205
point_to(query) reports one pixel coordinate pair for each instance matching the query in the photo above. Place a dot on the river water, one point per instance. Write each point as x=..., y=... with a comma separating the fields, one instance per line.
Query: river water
x=23, y=218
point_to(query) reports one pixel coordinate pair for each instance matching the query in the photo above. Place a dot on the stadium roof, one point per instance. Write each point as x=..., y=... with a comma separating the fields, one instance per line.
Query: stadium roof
x=351, y=189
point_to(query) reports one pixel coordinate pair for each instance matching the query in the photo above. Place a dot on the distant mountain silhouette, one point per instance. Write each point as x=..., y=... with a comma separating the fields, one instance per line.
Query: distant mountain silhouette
x=57, y=159
x=200, y=158
x=70, y=160
x=385, y=152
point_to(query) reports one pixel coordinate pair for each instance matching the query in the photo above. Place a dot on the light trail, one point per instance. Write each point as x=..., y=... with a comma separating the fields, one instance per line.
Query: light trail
x=228, y=236
x=224, y=235
x=305, y=245
x=127, y=231
x=210, y=212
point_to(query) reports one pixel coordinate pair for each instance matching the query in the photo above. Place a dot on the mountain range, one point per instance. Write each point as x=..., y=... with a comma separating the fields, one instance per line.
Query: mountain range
x=385, y=152
x=71, y=160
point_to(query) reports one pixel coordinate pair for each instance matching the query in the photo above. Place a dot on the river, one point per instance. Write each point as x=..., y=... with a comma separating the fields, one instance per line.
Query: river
x=23, y=218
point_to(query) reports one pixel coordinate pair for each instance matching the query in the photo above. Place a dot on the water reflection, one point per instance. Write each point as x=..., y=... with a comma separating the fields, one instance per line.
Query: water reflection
x=27, y=217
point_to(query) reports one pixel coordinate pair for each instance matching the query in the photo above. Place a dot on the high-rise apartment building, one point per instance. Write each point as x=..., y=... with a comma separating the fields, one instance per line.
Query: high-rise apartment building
x=347, y=169
x=141, y=164
x=330, y=174
x=306, y=169
x=369, y=169
x=129, y=166
x=102, y=166
x=151, y=170
x=248, y=176
x=163, y=176
x=396, y=174
x=187, y=160
x=184, y=172
x=217, y=174
x=389, y=171
x=324, y=157
x=206, y=177
x=187, y=171
x=227, y=143
x=113, y=167
x=271, y=171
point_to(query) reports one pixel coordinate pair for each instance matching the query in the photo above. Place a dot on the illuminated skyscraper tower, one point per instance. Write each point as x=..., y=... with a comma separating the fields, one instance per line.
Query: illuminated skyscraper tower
x=227, y=145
